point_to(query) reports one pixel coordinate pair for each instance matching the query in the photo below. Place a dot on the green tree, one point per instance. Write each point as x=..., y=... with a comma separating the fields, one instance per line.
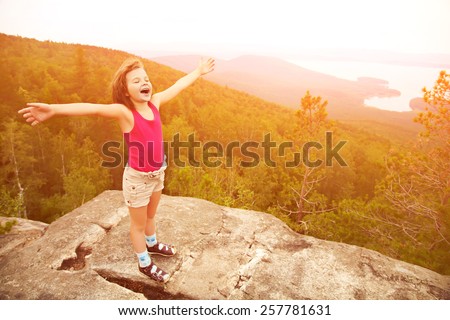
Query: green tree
x=79, y=168
x=418, y=182
x=10, y=205
x=18, y=165
x=311, y=124
x=436, y=117
x=312, y=115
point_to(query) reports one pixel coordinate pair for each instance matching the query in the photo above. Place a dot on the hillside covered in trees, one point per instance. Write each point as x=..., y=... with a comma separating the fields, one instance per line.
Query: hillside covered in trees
x=331, y=180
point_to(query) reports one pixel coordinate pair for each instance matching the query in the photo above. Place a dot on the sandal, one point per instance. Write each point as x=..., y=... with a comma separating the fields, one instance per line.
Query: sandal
x=155, y=273
x=162, y=249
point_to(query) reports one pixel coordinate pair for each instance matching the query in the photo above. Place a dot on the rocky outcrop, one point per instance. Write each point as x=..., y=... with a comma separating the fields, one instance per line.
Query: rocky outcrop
x=223, y=253
x=24, y=231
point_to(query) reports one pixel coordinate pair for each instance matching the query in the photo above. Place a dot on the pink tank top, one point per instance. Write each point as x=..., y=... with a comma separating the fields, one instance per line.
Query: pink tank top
x=145, y=142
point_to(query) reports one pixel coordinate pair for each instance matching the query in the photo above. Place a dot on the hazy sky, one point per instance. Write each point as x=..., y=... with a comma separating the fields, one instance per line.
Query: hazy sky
x=200, y=26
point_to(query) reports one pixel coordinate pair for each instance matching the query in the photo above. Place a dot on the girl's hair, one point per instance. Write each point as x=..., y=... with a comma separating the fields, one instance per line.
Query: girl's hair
x=119, y=83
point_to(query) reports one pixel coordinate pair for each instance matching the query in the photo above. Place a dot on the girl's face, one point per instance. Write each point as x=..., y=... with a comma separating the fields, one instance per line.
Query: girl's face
x=139, y=86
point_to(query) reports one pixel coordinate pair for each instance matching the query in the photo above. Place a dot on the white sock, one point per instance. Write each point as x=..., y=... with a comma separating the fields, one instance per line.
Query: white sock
x=151, y=240
x=144, y=259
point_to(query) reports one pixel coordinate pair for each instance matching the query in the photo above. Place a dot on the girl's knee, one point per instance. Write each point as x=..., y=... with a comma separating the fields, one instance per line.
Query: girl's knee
x=151, y=215
x=137, y=228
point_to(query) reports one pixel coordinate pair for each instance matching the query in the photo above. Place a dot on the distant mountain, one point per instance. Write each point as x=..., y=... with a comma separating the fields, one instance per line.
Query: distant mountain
x=282, y=82
x=417, y=104
x=429, y=60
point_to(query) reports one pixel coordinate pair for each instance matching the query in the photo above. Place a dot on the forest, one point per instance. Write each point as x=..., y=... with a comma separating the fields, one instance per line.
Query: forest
x=390, y=192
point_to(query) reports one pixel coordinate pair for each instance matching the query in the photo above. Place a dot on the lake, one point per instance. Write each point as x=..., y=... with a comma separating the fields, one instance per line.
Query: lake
x=409, y=80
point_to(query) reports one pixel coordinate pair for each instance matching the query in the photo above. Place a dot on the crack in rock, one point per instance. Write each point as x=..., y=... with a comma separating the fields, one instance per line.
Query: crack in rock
x=245, y=272
x=189, y=256
x=255, y=251
x=247, y=269
x=78, y=263
x=241, y=281
x=156, y=292
x=85, y=248
x=366, y=264
x=184, y=264
x=223, y=222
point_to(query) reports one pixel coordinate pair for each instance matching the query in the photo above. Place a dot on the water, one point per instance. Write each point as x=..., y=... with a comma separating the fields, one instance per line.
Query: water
x=406, y=79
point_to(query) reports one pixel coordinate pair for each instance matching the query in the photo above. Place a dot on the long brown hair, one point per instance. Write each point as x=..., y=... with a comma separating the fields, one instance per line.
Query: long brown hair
x=119, y=83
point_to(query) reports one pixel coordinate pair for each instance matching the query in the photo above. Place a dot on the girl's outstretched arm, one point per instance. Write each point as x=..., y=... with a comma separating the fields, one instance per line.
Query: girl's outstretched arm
x=205, y=66
x=35, y=113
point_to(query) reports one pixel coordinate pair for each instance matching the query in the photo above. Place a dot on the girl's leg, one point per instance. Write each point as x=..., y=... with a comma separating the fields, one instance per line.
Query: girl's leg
x=150, y=226
x=138, y=218
x=150, y=229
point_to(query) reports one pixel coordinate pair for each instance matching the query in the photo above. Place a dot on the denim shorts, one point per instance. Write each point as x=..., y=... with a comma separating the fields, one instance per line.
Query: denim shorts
x=138, y=186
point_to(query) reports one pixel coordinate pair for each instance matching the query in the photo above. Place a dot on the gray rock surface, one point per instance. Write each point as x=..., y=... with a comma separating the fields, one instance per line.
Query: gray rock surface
x=223, y=253
x=22, y=233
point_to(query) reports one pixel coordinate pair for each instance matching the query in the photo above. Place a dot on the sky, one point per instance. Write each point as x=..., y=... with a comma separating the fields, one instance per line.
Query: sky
x=234, y=26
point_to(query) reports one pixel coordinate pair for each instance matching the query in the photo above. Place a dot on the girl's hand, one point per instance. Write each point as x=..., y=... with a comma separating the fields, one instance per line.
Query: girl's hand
x=206, y=65
x=37, y=112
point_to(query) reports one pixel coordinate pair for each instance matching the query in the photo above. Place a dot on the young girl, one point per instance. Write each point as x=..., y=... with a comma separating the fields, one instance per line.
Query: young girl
x=136, y=109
